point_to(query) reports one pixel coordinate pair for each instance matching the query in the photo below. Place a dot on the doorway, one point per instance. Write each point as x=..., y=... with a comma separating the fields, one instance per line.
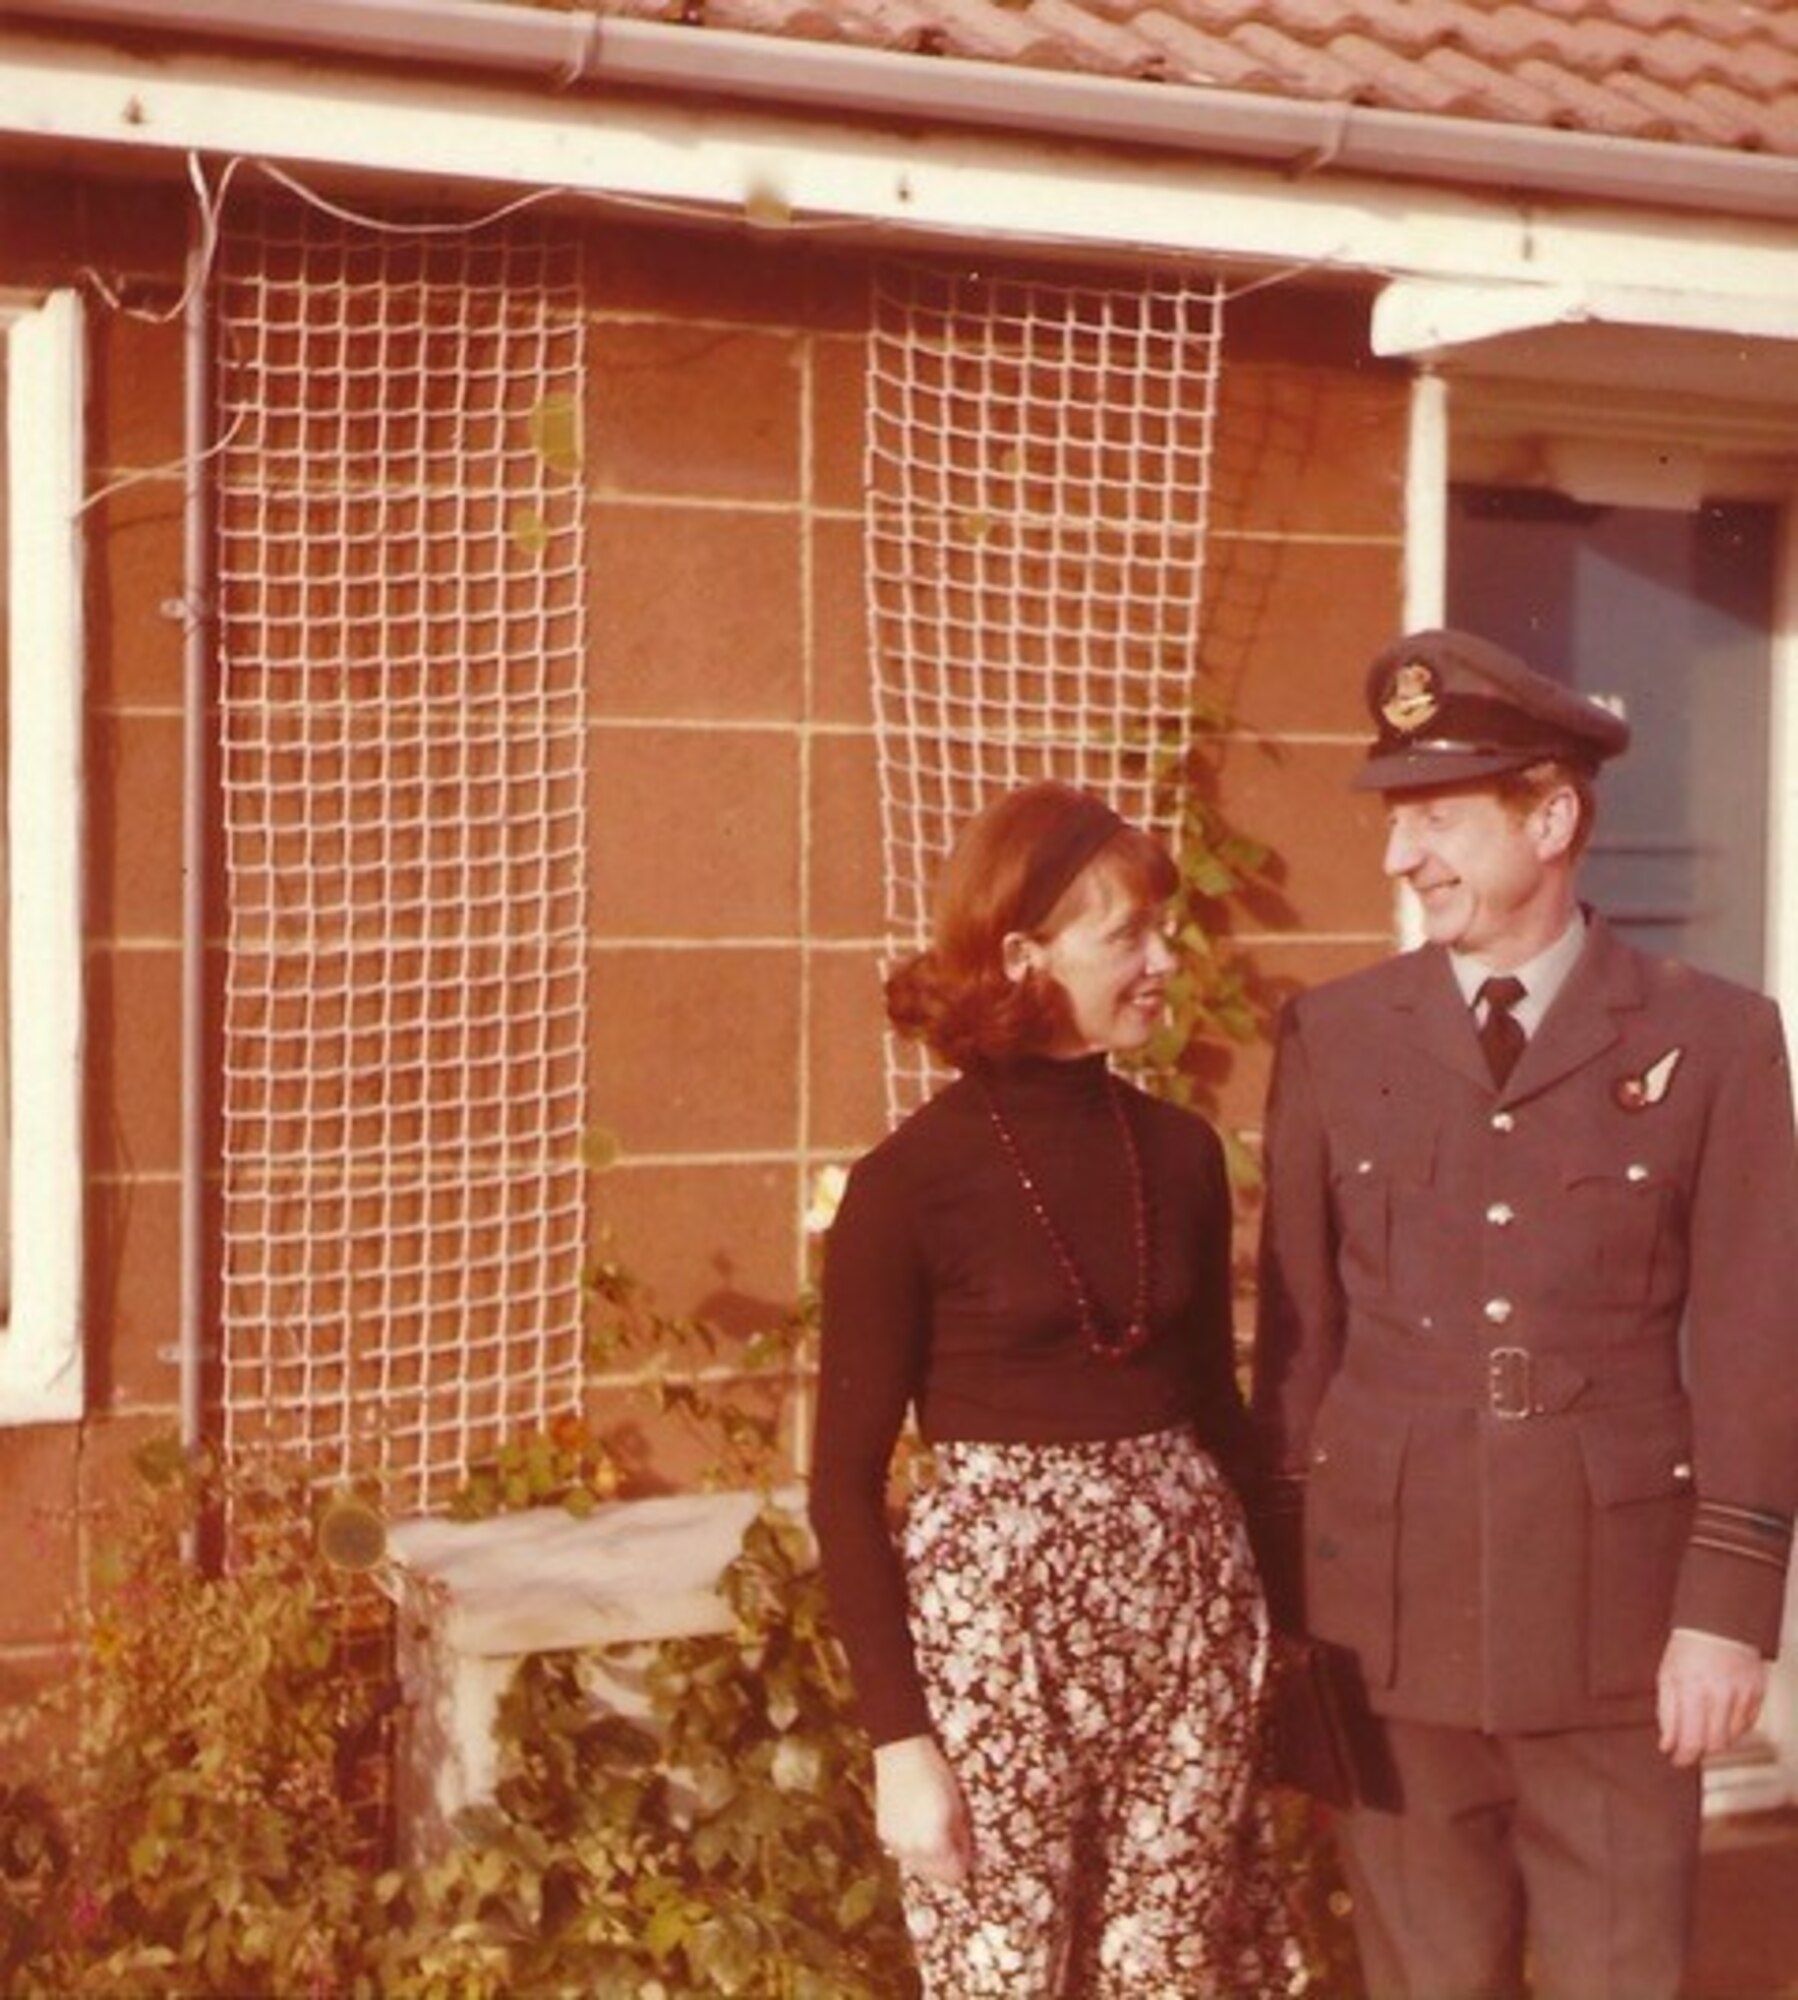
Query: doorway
x=1673, y=613
x=1669, y=616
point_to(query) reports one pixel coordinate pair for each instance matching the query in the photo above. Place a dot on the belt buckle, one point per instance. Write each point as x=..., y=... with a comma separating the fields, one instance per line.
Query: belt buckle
x=1510, y=1383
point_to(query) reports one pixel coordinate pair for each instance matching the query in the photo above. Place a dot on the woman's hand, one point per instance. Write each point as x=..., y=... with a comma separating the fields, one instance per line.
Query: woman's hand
x=918, y=1810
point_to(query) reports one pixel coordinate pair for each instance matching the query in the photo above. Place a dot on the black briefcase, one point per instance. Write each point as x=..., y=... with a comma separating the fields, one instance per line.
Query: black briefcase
x=1322, y=1737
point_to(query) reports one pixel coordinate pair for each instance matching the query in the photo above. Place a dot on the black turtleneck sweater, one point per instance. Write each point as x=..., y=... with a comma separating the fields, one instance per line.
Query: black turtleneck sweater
x=944, y=1295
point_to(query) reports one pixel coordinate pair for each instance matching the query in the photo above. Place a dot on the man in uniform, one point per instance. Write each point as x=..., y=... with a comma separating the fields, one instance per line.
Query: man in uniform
x=1526, y=1361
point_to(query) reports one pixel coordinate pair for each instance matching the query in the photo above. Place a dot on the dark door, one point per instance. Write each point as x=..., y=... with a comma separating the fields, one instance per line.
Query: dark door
x=1669, y=615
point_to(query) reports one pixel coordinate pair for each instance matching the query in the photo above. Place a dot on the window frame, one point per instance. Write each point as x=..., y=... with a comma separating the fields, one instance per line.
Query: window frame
x=42, y=1359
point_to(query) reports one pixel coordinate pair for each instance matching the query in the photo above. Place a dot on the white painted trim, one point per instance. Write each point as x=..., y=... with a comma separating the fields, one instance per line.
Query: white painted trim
x=42, y=1377
x=1782, y=784
x=575, y=49
x=731, y=161
x=1428, y=317
x=1426, y=558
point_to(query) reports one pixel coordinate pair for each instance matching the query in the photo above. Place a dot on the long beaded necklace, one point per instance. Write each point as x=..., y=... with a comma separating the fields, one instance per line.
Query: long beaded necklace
x=1106, y=1343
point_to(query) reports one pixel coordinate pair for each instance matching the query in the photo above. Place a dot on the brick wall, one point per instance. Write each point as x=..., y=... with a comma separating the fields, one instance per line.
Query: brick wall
x=735, y=893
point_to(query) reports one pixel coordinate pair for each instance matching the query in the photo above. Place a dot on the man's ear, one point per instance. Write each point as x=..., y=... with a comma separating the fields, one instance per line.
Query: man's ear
x=1020, y=954
x=1557, y=820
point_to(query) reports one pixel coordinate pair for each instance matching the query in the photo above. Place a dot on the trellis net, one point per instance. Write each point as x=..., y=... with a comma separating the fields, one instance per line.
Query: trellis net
x=400, y=593
x=1038, y=470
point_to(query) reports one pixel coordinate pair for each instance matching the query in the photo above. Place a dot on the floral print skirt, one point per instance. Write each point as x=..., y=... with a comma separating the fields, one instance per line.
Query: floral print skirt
x=1092, y=1637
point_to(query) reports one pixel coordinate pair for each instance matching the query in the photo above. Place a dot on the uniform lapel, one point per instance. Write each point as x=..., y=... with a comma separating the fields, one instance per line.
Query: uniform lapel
x=1582, y=1023
x=1577, y=1029
x=1440, y=1024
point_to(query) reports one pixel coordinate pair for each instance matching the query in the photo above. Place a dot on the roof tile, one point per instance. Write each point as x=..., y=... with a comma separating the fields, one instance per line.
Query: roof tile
x=802, y=22
x=1674, y=108
x=1196, y=57
x=888, y=24
x=1112, y=46
x=1307, y=70
x=1412, y=86
x=1676, y=56
x=1594, y=107
x=1745, y=117
x=977, y=28
x=1482, y=87
x=1499, y=34
x=1690, y=72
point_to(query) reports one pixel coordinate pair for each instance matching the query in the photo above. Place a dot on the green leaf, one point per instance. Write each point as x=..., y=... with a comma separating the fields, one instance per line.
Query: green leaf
x=555, y=427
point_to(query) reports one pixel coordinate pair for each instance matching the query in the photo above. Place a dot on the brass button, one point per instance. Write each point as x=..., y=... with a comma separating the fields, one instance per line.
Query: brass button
x=1636, y=1172
x=1503, y=1121
x=1501, y=1215
x=1499, y=1311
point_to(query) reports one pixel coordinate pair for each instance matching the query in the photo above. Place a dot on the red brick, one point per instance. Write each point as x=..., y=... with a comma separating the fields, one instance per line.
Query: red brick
x=693, y=411
x=135, y=825
x=696, y=1051
x=694, y=835
x=695, y=613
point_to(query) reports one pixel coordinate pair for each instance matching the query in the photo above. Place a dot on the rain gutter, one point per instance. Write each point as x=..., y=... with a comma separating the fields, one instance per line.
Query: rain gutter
x=577, y=49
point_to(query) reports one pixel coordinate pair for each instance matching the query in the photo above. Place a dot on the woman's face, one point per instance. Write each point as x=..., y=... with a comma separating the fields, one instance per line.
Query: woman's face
x=1111, y=958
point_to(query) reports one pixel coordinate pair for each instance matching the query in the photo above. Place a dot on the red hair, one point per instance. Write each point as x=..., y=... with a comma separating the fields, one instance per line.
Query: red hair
x=1017, y=866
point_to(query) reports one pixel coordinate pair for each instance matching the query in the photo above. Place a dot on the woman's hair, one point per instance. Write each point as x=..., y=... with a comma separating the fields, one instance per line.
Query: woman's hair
x=1016, y=866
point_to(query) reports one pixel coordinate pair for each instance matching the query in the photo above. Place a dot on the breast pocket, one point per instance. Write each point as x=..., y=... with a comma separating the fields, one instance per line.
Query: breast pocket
x=1611, y=1229
x=1379, y=1178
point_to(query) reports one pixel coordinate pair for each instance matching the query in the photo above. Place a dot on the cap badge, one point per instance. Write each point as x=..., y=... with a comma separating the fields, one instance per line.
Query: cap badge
x=1413, y=697
x=1637, y=1093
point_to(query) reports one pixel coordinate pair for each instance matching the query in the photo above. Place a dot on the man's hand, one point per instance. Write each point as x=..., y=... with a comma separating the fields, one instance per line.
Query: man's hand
x=1708, y=1694
x=918, y=1810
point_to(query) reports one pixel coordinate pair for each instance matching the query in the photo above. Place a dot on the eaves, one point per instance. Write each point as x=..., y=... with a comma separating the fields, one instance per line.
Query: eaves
x=754, y=131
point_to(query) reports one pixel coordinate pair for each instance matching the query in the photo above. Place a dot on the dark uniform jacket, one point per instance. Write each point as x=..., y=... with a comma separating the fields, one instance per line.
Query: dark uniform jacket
x=1527, y=1357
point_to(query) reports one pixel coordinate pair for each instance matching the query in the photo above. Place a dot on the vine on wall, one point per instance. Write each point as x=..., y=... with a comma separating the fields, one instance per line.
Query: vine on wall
x=192, y=1824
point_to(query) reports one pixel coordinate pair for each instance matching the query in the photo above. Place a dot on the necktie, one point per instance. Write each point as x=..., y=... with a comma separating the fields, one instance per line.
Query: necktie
x=1501, y=1034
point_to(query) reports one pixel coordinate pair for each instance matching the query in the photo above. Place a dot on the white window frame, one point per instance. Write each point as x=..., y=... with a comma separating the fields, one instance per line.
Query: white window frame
x=42, y=1362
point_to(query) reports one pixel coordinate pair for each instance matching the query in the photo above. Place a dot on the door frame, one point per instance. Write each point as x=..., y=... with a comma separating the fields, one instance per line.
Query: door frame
x=1635, y=450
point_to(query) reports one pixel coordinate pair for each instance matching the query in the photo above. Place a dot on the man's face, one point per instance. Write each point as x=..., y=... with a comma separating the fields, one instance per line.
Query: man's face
x=1481, y=869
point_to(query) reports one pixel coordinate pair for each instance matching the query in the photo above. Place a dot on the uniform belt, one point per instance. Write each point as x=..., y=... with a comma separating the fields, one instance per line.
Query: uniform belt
x=1511, y=1382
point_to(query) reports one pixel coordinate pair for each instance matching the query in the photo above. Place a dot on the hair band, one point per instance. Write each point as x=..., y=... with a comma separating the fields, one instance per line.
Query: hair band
x=1061, y=857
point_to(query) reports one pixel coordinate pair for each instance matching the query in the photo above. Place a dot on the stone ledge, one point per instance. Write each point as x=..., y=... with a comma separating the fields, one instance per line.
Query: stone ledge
x=476, y=1598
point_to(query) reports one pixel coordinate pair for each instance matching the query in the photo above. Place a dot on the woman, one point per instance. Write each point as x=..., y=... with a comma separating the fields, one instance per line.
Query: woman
x=1059, y=1662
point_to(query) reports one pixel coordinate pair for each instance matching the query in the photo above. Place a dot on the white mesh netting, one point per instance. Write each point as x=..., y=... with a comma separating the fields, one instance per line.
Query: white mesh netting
x=1038, y=487
x=400, y=593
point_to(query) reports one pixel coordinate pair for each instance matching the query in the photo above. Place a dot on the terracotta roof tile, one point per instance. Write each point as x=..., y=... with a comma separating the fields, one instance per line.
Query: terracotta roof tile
x=1674, y=108
x=992, y=32
x=1501, y=34
x=1108, y=45
x=1657, y=16
x=1744, y=118
x=888, y=24
x=1603, y=109
x=1677, y=56
x=1410, y=86
x=1689, y=72
x=1309, y=71
x=803, y=23
x=1510, y=93
x=1196, y=57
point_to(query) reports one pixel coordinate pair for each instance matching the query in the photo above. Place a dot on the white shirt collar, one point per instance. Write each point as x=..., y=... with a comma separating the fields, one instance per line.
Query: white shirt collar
x=1543, y=976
